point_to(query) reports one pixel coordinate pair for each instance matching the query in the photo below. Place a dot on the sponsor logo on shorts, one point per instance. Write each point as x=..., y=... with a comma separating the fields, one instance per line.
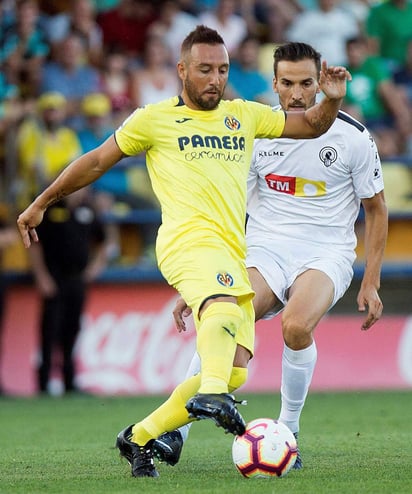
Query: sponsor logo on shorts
x=225, y=279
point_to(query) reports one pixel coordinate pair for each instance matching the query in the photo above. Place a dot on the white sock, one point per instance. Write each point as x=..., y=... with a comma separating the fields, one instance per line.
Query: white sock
x=192, y=370
x=297, y=372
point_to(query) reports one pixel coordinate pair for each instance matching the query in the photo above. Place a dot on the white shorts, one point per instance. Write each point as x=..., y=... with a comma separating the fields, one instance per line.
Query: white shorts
x=280, y=263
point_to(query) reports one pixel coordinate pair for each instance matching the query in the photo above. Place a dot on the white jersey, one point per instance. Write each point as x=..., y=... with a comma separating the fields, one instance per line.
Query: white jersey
x=308, y=192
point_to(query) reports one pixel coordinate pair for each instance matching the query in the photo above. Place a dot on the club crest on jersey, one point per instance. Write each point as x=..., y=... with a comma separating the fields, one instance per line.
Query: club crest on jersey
x=328, y=155
x=225, y=279
x=232, y=123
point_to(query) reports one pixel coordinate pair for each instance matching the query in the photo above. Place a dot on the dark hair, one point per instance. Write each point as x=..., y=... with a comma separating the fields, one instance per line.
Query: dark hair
x=356, y=40
x=295, y=52
x=202, y=34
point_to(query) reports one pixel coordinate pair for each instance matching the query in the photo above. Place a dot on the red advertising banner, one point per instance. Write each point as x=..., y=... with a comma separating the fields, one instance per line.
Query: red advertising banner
x=129, y=345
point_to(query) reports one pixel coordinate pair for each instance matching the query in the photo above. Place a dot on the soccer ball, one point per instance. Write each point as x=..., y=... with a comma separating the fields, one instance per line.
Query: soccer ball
x=267, y=449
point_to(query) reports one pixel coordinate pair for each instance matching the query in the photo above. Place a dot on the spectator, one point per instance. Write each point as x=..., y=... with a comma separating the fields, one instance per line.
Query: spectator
x=375, y=99
x=12, y=109
x=224, y=19
x=115, y=83
x=125, y=26
x=7, y=13
x=327, y=28
x=97, y=127
x=389, y=28
x=245, y=80
x=403, y=76
x=403, y=80
x=70, y=75
x=173, y=24
x=156, y=79
x=8, y=236
x=81, y=20
x=45, y=145
x=275, y=17
x=70, y=255
x=24, y=48
x=358, y=9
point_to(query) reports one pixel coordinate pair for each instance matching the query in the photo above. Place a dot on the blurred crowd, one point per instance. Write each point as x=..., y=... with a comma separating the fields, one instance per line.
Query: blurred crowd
x=72, y=70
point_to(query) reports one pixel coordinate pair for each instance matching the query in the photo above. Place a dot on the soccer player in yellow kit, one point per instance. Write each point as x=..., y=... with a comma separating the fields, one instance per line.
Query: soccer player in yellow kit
x=198, y=151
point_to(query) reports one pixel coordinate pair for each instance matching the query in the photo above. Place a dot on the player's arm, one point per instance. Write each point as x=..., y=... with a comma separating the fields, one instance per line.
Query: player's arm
x=316, y=120
x=81, y=172
x=376, y=231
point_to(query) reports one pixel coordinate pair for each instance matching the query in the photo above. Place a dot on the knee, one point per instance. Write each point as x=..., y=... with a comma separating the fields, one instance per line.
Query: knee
x=297, y=334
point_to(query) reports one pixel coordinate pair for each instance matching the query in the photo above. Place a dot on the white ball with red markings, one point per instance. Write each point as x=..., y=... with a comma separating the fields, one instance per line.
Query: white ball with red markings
x=267, y=449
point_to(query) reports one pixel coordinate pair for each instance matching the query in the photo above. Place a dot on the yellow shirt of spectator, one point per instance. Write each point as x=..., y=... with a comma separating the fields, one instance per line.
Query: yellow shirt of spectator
x=42, y=154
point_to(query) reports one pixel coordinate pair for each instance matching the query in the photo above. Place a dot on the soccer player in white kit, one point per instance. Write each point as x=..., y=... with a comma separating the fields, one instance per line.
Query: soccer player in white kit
x=303, y=199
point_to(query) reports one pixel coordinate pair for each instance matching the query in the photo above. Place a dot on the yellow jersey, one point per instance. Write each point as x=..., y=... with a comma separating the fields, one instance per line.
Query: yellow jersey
x=198, y=162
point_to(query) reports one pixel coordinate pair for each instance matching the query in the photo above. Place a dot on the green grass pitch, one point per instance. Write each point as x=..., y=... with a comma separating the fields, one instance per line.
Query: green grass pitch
x=359, y=442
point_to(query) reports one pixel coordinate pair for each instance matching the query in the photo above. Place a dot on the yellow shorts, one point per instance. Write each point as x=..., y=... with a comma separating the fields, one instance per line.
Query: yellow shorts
x=204, y=271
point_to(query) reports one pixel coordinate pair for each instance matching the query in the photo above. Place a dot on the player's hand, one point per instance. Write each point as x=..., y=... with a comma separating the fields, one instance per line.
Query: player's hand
x=368, y=297
x=27, y=223
x=333, y=80
x=180, y=311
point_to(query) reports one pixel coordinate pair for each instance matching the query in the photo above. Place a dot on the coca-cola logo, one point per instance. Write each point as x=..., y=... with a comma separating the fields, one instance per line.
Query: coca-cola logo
x=133, y=352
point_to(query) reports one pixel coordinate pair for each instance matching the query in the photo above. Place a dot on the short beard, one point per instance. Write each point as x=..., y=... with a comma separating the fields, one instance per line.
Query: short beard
x=204, y=104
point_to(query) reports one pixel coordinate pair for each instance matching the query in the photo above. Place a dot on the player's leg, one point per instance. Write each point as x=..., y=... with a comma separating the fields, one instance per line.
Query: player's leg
x=49, y=326
x=220, y=325
x=265, y=301
x=135, y=443
x=193, y=369
x=310, y=297
x=218, y=322
x=73, y=295
x=169, y=445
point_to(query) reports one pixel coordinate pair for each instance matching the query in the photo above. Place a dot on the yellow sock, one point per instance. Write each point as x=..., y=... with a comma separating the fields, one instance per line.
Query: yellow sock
x=216, y=345
x=237, y=378
x=171, y=415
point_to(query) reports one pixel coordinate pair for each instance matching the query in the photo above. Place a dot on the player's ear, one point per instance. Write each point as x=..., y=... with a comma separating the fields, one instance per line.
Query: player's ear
x=181, y=70
x=274, y=84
